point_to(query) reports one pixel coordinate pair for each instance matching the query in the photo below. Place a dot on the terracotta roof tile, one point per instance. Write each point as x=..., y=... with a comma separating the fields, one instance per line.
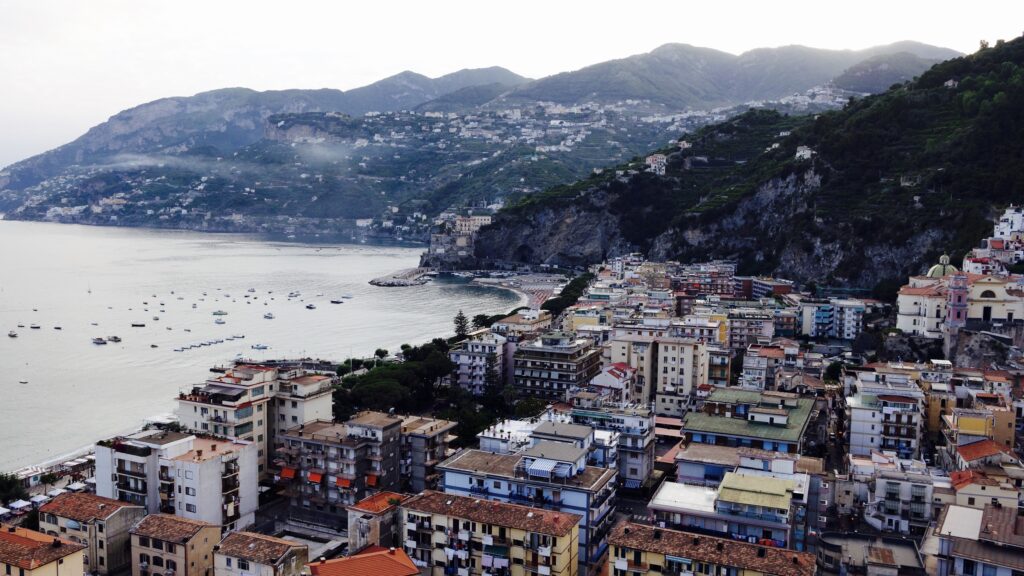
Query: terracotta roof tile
x=979, y=450
x=29, y=549
x=378, y=503
x=83, y=507
x=258, y=548
x=168, y=527
x=491, y=512
x=385, y=563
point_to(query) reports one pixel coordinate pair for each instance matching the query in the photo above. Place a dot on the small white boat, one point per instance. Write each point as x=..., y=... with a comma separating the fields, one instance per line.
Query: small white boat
x=252, y=290
x=310, y=306
x=99, y=341
x=219, y=313
x=238, y=336
x=34, y=326
x=219, y=321
x=260, y=346
x=269, y=315
x=12, y=334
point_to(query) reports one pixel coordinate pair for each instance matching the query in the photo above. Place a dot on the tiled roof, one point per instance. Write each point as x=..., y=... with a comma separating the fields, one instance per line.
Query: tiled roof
x=721, y=551
x=979, y=450
x=168, y=527
x=491, y=512
x=28, y=549
x=385, y=563
x=82, y=506
x=378, y=503
x=257, y=548
x=963, y=478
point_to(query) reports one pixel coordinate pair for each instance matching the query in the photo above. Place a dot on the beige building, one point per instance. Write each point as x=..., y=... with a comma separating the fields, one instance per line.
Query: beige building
x=374, y=521
x=29, y=553
x=101, y=524
x=443, y=532
x=251, y=554
x=165, y=545
x=682, y=367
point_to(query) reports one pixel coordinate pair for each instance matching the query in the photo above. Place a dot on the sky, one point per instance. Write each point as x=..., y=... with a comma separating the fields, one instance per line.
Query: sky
x=67, y=65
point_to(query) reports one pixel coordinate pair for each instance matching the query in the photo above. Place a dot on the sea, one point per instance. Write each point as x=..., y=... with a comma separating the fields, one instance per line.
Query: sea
x=60, y=391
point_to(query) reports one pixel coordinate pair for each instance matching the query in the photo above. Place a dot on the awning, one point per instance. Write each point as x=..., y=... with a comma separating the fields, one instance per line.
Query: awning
x=287, y=472
x=371, y=480
x=632, y=484
x=542, y=467
x=315, y=477
x=344, y=482
x=77, y=486
x=40, y=498
x=4, y=511
x=56, y=492
x=18, y=505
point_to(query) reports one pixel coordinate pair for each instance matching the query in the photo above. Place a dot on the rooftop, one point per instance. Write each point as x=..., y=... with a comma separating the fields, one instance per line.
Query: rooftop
x=169, y=528
x=374, y=420
x=204, y=449
x=382, y=563
x=573, y=431
x=757, y=491
x=379, y=502
x=560, y=451
x=504, y=465
x=792, y=431
x=418, y=425
x=28, y=549
x=255, y=547
x=674, y=496
x=734, y=553
x=978, y=450
x=496, y=513
x=83, y=506
x=859, y=549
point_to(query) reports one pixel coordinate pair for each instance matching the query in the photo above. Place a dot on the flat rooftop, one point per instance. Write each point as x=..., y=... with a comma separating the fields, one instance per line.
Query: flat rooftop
x=504, y=465
x=570, y=431
x=675, y=496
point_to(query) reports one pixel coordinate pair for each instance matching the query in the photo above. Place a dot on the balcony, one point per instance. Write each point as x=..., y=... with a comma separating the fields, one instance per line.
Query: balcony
x=138, y=487
x=133, y=472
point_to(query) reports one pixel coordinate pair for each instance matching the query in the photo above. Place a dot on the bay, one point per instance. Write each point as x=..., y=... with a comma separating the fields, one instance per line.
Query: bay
x=95, y=282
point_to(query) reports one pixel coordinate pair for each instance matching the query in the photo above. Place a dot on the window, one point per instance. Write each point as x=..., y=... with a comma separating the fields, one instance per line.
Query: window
x=144, y=558
x=158, y=561
x=228, y=562
x=243, y=564
x=170, y=548
x=158, y=545
x=190, y=491
x=970, y=567
x=970, y=501
x=171, y=566
x=143, y=541
x=190, y=507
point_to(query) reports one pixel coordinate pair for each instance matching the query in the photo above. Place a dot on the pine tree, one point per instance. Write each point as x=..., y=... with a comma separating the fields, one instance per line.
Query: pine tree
x=461, y=325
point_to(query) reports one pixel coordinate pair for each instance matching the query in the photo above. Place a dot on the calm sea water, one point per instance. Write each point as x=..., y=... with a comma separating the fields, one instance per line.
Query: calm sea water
x=96, y=282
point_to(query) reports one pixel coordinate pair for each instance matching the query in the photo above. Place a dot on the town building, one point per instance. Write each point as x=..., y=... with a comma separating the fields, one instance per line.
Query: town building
x=252, y=554
x=853, y=553
x=633, y=423
x=654, y=551
x=479, y=363
x=424, y=444
x=100, y=524
x=985, y=541
x=198, y=477
x=163, y=544
x=329, y=465
x=25, y=552
x=391, y=562
x=885, y=412
x=682, y=367
x=449, y=534
x=375, y=521
x=554, y=363
x=548, y=475
x=772, y=421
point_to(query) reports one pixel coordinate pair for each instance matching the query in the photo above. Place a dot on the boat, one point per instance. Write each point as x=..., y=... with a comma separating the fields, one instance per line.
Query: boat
x=113, y=338
x=12, y=334
x=219, y=321
x=34, y=326
x=99, y=341
x=188, y=329
x=337, y=301
x=219, y=313
x=252, y=290
x=57, y=328
x=238, y=336
x=153, y=346
x=156, y=317
x=21, y=325
x=138, y=325
x=193, y=304
x=260, y=346
x=269, y=316
x=169, y=328
x=310, y=306
x=22, y=381
x=346, y=295
x=178, y=349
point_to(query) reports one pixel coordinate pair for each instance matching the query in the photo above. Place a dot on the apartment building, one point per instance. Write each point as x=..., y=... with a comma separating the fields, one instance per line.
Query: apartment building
x=548, y=475
x=329, y=465
x=748, y=326
x=551, y=365
x=27, y=552
x=375, y=521
x=424, y=445
x=902, y=502
x=852, y=553
x=252, y=554
x=885, y=412
x=772, y=421
x=100, y=524
x=840, y=318
x=300, y=398
x=682, y=367
x=477, y=360
x=199, y=477
x=635, y=426
x=980, y=542
x=165, y=545
x=654, y=551
x=449, y=534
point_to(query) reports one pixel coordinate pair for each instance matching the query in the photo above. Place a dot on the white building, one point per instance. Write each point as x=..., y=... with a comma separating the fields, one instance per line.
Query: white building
x=206, y=478
x=472, y=358
x=885, y=412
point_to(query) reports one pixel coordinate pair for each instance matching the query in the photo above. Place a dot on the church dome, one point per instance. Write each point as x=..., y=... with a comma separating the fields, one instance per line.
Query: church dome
x=943, y=268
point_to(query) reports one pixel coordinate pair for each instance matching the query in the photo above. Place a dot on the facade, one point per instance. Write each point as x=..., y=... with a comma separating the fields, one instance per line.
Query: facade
x=772, y=421
x=840, y=318
x=448, y=534
x=635, y=426
x=298, y=399
x=749, y=326
x=549, y=476
x=330, y=465
x=986, y=541
x=902, y=502
x=682, y=367
x=885, y=412
x=424, y=445
x=199, y=477
x=252, y=554
x=852, y=553
x=474, y=357
x=100, y=524
x=642, y=549
x=163, y=545
x=26, y=552
x=551, y=365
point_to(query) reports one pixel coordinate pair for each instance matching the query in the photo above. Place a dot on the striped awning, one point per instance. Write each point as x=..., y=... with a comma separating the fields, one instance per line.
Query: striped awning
x=542, y=467
x=632, y=484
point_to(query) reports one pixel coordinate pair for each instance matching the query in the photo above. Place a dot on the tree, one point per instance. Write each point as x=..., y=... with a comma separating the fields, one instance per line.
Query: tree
x=481, y=321
x=530, y=407
x=461, y=325
x=11, y=488
x=833, y=372
x=48, y=479
x=492, y=373
x=381, y=353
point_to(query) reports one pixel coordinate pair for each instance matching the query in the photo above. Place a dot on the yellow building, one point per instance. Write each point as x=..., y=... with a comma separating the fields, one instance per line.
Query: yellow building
x=652, y=551
x=939, y=402
x=29, y=553
x=163, y=544
x=473, y=536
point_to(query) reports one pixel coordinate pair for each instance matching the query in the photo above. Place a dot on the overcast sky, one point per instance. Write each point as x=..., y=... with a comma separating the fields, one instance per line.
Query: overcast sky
x=67, y=65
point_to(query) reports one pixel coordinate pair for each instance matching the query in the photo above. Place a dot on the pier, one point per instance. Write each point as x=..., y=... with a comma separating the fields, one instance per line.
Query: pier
x=408, y=277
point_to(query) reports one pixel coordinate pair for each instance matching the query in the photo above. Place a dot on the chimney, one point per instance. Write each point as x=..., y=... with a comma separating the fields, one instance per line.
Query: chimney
x=796, y=560
x=57, y=543
x=12, y=529
x=391, y=551
x=323, y=560
x=199, y=454
x=213, y=447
